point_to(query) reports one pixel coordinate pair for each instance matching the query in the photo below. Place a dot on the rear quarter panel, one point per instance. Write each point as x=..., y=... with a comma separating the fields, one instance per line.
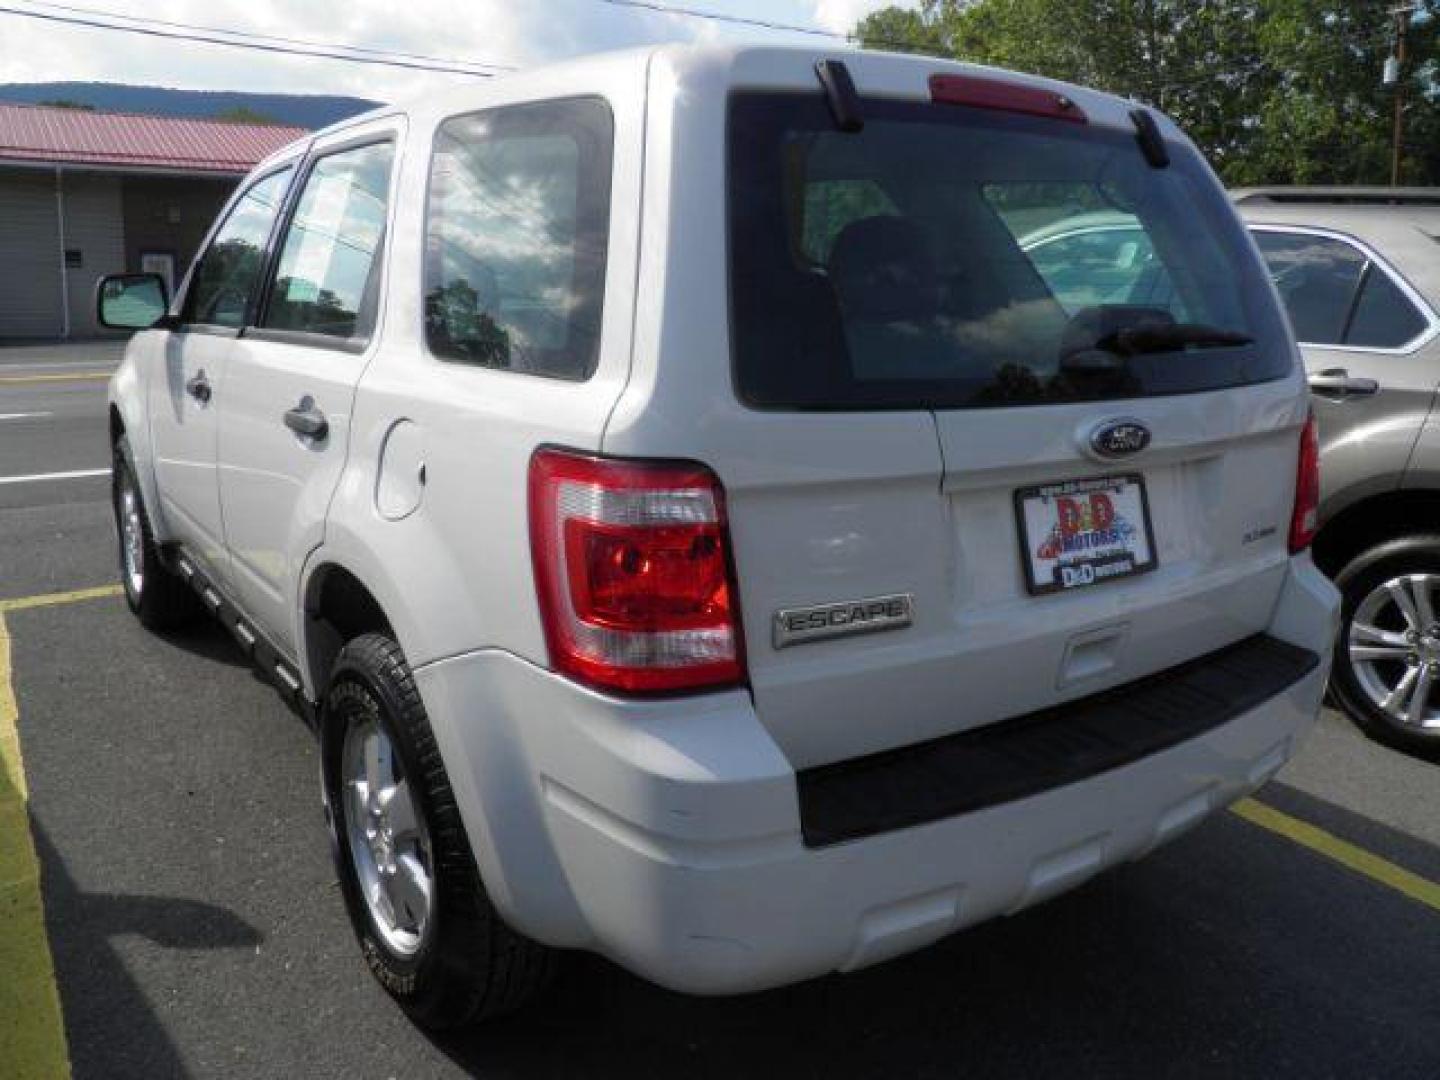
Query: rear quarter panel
x=454, y=575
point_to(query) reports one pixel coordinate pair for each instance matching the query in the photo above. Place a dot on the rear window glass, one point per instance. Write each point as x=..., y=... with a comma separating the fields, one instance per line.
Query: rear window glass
x=949, y=257
x=516, y=237
x=1097, y=259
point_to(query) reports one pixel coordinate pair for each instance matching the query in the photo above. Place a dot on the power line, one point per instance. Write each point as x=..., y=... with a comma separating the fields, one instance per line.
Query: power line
x=717, y=16
x=254, y=35
x=863, y=40
x=256, y=46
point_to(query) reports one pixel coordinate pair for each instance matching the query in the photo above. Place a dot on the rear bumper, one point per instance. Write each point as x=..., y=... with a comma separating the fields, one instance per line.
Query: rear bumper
x=668, y=835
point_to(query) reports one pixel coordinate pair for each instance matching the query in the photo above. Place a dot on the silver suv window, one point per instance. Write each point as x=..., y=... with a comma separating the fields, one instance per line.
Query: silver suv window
x=225, y=280
x=945, y=257
x=516, y=237
x=1336, y=294
x=328, y=274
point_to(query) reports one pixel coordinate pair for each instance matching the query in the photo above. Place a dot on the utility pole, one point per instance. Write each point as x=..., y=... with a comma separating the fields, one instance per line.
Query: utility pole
x=1402, y=24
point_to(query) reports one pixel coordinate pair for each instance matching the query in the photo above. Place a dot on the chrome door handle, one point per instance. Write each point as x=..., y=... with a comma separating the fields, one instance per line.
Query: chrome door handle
x=1340, y=383
x=307, y=420
x=198, y=387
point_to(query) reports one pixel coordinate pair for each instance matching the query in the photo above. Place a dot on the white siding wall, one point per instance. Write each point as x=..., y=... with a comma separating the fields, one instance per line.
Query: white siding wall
x=29, y=255
x=94, y=225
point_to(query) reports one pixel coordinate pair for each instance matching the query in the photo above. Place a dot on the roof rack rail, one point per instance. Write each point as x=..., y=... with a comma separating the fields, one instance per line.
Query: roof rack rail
x=1339, y=196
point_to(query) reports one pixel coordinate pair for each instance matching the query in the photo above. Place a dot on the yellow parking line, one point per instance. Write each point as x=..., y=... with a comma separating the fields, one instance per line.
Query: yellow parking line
x=1341, y=851
x=78, y=376
x=23, y=603
x=32, y=1032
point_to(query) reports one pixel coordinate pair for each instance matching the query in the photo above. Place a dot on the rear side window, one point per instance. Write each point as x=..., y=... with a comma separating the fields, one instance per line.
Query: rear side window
x=329, y=269
x=948, y=257
x=1336, y=295
x=1317, y=278
x=516, y=237
x=1384, y=317
x=226, y=277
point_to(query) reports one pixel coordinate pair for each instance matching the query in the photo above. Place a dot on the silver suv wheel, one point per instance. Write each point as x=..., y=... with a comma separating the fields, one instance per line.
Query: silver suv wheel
x=388, y=841
x=1394, y=649
x=132, y=534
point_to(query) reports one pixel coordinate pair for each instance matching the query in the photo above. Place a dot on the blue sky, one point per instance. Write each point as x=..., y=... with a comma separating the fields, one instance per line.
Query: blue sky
x=515, y=32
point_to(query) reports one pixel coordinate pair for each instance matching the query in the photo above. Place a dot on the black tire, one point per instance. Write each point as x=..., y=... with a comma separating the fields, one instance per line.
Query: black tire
x=469, y=965
x=1361, y=576
x=159, y=599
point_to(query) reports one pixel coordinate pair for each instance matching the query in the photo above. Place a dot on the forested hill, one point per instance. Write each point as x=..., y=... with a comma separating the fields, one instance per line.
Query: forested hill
x=303, y=110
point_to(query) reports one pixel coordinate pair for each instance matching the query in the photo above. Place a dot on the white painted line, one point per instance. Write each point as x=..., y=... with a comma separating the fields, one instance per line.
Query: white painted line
x=78, y=474
x=81, y=365
x=23, y=415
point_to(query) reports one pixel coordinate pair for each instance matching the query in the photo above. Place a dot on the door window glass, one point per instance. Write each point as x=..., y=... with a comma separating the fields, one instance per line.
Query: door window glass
x=1384, y=316
x=1317, y=277
x=329, y=267
x=516, y=237
x=226, y=277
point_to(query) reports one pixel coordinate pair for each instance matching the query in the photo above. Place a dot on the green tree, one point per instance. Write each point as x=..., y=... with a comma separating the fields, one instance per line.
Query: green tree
x=242, y=114
x=904, y=30
x=1274, y=91
x=67, y=103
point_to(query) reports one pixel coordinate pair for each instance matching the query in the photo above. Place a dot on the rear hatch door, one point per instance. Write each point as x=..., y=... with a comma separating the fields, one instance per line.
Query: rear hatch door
x=1114, y=394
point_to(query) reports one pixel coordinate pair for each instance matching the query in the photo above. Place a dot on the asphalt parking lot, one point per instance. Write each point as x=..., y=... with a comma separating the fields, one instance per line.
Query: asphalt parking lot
x=196, y=928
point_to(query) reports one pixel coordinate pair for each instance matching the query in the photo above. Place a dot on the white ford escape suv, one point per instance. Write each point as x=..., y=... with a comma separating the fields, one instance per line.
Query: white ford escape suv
x=701, y=534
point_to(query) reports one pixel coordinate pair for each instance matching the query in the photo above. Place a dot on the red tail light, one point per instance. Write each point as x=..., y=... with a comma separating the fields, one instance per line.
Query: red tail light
x=1306, y=518
x=632, y=565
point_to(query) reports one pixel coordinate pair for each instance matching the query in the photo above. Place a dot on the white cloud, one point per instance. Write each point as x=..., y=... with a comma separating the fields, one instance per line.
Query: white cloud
x=843, y=15
x=516, y=32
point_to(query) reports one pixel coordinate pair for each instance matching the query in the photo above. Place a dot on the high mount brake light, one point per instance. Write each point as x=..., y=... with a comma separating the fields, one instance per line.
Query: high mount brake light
x=1305, y=520
x=632, y=567
x=982, y=93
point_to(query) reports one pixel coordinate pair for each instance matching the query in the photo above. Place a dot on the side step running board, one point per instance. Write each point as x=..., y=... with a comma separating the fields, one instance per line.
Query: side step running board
x=266, y=658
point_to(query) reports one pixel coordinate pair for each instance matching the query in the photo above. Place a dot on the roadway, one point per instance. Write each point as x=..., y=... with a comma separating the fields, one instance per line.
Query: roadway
x=50, y=397
x=196, y=929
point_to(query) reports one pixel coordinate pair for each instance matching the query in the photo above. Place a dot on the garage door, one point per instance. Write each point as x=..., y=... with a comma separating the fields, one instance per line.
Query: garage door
x=29, y=257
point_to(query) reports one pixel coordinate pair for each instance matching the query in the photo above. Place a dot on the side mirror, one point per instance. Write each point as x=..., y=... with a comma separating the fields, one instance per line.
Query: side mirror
x=131, y=301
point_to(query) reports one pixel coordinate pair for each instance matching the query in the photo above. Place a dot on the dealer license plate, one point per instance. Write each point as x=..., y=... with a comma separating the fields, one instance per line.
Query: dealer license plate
x=1083, y=532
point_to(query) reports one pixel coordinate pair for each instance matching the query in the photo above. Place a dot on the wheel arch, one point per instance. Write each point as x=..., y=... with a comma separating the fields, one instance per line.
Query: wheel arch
x=126, y=416
x=1372, y=521
x=337, y=606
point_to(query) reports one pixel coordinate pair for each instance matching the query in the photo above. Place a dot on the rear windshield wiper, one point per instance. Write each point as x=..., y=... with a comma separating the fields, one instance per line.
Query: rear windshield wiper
x=1108, y=353
x=1167, y=337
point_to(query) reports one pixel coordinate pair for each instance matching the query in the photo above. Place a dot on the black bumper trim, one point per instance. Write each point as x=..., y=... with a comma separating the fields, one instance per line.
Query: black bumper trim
x=1024, y=756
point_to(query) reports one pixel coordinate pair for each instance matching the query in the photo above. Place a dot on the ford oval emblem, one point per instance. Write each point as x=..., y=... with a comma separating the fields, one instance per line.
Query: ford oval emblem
x=1119, y=438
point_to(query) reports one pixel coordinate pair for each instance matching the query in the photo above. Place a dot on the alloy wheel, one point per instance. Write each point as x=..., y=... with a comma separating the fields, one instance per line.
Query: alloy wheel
x=1394, y=649
x=132, y=534
x=388, y=841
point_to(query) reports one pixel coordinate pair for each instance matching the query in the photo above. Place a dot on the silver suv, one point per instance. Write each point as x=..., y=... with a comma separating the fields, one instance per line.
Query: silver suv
x=699, y=531
x=1359, y=272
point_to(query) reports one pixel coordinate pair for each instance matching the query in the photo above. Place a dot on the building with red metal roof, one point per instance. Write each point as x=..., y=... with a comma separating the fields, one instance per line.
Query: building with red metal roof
x=84, y=194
